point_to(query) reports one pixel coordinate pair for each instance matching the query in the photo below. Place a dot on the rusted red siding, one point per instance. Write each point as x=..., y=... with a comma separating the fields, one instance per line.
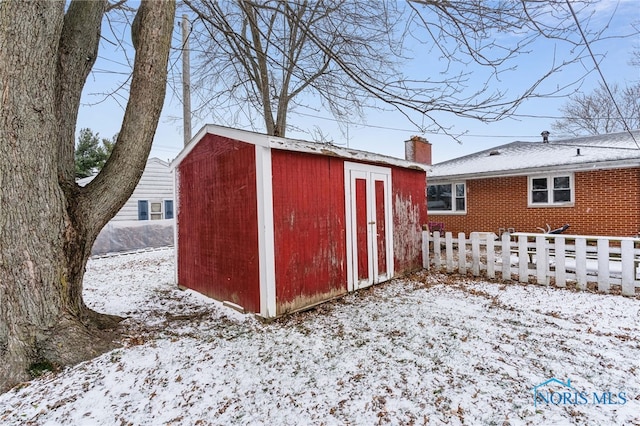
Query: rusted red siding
x=409, y=214
x=217, y=221
x=309, y=228
x=607, y=202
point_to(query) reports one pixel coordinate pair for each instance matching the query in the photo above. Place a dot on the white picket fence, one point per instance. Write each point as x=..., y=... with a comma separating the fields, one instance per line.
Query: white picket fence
x=541, y=258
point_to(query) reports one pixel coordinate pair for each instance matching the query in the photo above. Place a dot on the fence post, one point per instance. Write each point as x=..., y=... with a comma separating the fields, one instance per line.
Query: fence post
x=506, y=257
x=425, y=250
x=523, y=259
x=437, y=255
x=542, y=260
x=581, y=263
x=475, y=254
x=560, y=261
x=628, y=268
x=462, y=253
x=491, y=257
x=449, y=248
x=603, y=265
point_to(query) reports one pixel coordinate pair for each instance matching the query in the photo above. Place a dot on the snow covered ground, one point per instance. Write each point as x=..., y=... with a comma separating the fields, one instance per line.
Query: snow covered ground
x=430, y=349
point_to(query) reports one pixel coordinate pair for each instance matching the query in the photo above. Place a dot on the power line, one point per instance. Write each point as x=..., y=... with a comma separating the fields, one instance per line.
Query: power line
x=428, y=132
x=360, y=124
x=604, y=81
x=104, y=58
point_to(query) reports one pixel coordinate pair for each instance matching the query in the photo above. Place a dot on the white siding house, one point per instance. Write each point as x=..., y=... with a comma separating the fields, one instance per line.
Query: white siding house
x=152, y=199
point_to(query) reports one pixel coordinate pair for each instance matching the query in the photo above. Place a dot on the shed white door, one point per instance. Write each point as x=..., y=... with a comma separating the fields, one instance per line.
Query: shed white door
x=369, y=226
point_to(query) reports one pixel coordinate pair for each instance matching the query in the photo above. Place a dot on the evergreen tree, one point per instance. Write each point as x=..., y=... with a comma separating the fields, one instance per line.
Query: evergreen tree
x=91, y=153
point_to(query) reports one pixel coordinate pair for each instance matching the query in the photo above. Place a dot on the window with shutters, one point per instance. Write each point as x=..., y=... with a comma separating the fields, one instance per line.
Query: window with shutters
x=155, y=210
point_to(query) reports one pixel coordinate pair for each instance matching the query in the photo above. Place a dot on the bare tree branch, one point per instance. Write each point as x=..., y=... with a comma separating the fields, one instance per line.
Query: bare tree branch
x=595, y=113
x=262, y=57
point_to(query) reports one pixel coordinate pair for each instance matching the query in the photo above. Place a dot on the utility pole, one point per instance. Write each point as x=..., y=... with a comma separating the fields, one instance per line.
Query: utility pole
x=186, y=81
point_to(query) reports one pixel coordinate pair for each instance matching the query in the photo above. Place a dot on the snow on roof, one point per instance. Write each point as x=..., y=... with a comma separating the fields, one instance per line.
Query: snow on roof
x=614, y=150
x=296, y=145
x=85, y=180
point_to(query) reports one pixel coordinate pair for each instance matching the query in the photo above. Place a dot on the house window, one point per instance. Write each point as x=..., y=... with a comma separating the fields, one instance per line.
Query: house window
x=447, y=198
x=155, y=210
x=551, y=190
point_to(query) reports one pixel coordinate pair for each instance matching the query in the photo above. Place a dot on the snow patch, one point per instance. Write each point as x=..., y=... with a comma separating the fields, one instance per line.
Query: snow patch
x=432, y=349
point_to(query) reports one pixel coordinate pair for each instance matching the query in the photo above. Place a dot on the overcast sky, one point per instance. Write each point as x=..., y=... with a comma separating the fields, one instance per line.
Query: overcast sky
x=385, y=132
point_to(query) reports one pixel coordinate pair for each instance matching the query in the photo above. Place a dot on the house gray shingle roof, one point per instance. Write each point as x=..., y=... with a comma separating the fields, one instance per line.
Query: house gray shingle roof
x=614, y=150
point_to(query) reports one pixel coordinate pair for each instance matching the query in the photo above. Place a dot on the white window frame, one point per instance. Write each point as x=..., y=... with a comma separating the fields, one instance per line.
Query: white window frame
x=161, y=212
x=550, y=203
x=453, y=198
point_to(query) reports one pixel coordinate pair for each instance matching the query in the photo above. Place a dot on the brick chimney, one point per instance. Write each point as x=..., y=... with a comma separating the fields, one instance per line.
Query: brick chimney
x=418, y=150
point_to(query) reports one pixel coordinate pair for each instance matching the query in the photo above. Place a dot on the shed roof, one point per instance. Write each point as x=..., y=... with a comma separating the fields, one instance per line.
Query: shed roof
x=614, y=150
x=327, y=149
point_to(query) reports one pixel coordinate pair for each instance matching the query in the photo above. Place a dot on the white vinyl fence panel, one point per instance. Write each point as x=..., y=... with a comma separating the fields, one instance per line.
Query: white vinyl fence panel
x=541, y=258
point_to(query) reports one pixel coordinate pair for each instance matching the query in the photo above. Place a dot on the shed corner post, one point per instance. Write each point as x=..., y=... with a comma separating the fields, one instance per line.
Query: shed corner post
x=176, y=198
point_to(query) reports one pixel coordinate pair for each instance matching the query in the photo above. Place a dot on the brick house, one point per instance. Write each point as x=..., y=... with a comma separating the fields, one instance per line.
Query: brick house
x=591, y=183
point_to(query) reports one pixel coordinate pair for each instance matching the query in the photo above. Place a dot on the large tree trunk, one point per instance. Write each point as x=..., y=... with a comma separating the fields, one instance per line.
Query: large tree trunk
x=47, y=223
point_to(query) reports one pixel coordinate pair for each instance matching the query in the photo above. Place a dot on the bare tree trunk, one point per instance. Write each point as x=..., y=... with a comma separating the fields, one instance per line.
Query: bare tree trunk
x=47, y=223
x=260, y=69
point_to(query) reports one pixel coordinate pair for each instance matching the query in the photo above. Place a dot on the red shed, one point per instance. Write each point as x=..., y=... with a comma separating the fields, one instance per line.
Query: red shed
x=276, y=225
